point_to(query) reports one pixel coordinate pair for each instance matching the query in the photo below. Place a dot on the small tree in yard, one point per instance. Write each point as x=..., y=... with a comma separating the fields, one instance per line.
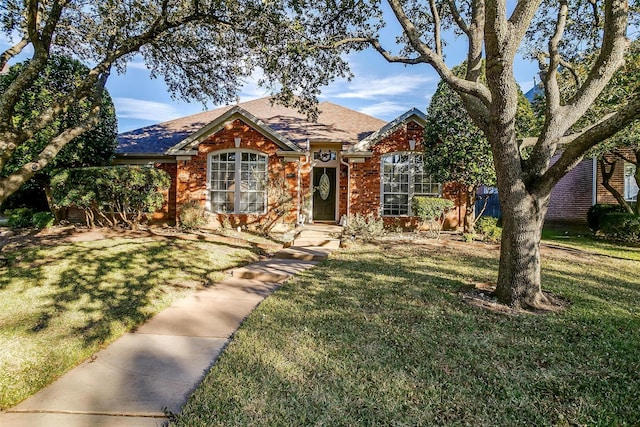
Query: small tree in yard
x=431, y=211
x=624, y=83
x=111, y=195
x=93, y=148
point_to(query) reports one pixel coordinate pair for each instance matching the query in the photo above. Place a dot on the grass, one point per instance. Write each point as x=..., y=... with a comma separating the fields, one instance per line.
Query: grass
x=381, y=336
x=60, y=304
x=586, y=241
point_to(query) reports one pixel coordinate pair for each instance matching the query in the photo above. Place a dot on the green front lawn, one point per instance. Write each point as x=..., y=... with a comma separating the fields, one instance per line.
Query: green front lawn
x=587, y=242
x=60, y=304
x=380, y=335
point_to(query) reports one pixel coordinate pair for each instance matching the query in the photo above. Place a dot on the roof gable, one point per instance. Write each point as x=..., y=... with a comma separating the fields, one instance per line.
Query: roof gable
x=412, y=115
x=236, y=112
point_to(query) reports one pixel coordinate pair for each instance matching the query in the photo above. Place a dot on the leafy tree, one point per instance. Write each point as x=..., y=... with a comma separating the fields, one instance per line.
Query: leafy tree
x=202, y=48
x=457, y=150
x=495, y=31
x=111, y=195
x=93, y=148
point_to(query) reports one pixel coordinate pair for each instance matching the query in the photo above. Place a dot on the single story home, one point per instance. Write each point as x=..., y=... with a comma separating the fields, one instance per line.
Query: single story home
x=262, y=165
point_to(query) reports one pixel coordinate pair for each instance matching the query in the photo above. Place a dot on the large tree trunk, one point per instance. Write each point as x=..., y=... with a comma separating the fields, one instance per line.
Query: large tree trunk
x=519, y=271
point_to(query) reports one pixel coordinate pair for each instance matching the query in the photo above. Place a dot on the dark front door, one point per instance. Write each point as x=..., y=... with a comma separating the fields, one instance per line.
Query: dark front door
x=324, y=194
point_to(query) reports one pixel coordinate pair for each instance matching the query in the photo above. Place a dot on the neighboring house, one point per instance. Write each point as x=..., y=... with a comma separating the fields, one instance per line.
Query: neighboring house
x=582, y=187
x=260, y=164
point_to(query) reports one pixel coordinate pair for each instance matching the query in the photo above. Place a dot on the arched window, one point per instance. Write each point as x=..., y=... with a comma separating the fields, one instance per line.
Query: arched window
x=238, y=182
x=402, y=178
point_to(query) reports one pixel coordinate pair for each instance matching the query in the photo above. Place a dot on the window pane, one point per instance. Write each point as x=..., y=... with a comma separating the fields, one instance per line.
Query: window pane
x=403, y=177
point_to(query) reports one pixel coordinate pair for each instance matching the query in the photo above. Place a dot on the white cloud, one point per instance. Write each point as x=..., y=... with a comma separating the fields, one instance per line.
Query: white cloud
x=372, y=88
x=131, y=108
x=137, y=65
x=386, y=110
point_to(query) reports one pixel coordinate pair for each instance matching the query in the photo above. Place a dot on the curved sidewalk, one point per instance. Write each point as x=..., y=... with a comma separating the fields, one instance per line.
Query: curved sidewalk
x=143, y=374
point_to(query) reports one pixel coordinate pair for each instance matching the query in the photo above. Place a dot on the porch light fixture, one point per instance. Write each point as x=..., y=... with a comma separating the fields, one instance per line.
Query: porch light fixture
x=237, y=141
x=412, y=144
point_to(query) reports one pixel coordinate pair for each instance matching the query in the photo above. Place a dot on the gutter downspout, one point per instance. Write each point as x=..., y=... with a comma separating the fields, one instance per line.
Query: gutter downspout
x=342, y=162
x=300, y=164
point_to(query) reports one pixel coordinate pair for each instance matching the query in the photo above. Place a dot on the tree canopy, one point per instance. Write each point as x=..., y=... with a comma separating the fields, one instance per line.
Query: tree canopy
x=202, y=48
x=93, y=148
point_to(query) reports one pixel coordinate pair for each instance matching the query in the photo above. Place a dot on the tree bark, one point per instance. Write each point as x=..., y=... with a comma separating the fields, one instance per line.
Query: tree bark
x=470, y=210
x=606, y=178
x=519, y=271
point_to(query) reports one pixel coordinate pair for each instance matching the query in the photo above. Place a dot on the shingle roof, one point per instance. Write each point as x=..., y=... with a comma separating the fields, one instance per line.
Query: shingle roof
x=335, y=123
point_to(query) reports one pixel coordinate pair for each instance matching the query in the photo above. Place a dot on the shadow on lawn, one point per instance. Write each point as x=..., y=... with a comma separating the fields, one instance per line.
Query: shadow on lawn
x=368, y=337
x=99, y=286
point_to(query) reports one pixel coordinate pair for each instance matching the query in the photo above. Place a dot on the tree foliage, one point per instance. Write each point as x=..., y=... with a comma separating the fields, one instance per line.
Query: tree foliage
x=202, y=48
x=93, y=148
x=111, y=195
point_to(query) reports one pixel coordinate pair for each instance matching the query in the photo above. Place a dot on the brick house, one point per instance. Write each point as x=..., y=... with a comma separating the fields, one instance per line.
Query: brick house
x=582, y=187
x=261, y=165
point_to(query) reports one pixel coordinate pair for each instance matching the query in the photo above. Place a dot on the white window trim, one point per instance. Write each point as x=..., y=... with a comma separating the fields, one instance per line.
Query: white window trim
x=411, y=192
x=630, y=183
x=238, y=170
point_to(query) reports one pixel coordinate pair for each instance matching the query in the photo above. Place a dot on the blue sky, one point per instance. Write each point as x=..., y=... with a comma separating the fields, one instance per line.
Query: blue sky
x=379, y=89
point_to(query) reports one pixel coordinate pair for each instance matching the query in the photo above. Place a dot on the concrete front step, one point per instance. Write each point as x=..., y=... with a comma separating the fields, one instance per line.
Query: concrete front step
x=312, y=253
x=274, y=270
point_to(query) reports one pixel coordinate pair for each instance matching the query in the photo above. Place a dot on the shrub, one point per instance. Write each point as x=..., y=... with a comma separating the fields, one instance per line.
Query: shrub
x=19, y=218
x=621, y=226
x=111, y=195
x=192, y=216
x=597, y=212
x=363, y=227
x=488, y=227
x=431, y=210
x=42, y=220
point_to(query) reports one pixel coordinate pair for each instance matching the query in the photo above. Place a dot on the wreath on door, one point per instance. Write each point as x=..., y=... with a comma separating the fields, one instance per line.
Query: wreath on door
x=324, y=186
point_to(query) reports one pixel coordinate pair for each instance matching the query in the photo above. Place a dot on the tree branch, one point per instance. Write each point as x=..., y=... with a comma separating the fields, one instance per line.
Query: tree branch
x=610, y=58
x=13, y=51
x=429, y=56
x=436, y=27
x=457, y=17
x=578, y=145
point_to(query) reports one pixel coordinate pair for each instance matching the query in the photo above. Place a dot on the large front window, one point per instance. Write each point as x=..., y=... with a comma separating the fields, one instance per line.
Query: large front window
x=403, y=177
x=238, y=182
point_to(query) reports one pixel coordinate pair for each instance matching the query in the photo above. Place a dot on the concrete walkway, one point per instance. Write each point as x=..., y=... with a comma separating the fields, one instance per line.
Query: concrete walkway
x=134, y=380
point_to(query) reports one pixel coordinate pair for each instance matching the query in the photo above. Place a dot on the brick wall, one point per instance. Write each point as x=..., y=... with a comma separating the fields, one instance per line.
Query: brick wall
x=616, y=181
x=365, y=180
x=192, y=177
x=573, y=195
